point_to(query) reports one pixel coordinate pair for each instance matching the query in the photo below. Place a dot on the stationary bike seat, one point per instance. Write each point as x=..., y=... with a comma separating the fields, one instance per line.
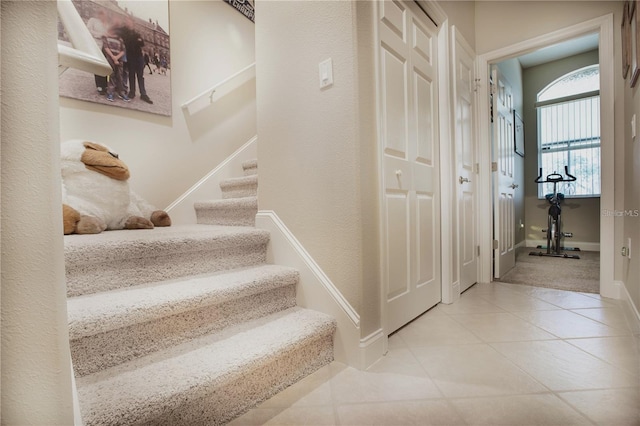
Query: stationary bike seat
x=550, y=196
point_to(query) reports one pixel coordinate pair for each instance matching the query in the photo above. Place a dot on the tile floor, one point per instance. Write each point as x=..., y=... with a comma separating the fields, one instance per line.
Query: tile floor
x=504, y=354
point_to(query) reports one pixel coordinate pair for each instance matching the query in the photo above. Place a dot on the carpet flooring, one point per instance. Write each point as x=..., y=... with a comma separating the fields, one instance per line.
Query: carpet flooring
x=581, y=275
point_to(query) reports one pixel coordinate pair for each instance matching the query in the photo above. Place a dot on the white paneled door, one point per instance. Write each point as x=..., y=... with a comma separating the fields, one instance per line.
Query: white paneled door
x=408, y=99
x=503, y=183
x=466, y=172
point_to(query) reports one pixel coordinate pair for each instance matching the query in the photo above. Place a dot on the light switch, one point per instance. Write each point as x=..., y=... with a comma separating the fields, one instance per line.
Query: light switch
x=326, y=73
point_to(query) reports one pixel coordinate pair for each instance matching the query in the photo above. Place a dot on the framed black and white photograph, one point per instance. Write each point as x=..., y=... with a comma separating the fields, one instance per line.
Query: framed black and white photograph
x=518, y=129
x=133, y=36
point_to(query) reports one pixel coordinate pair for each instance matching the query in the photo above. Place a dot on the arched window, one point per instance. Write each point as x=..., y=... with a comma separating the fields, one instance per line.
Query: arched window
x=569, y=131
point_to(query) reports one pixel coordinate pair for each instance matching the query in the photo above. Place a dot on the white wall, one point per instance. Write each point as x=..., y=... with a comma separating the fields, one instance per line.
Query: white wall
x=210, y=41
x=36, y=361
x=316, y=149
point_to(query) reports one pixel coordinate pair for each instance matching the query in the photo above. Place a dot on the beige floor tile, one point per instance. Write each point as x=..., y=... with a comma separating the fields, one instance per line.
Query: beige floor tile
x=423, y=413
x=474, y=370
x=619, y=407
x=430, y=330
x=295, y=416
x=568, y=299
x=566, y=324
x=470, y=304
x=621, y=351
x=530, y=410
x=563, y=367
x=502, y=327
x=611, y=316
x=349, y=385
x=399, y=360
x=515, y=302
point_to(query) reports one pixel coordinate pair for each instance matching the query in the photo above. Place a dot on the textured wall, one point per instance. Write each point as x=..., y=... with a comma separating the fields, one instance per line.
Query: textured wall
x=310, y=147
x=36, y=363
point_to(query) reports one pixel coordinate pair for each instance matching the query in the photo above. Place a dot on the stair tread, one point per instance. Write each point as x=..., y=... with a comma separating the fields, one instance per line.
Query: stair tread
x=239, y=181
x=240, y=203
x=106, y=311
x=127, y=244
x=158, y=383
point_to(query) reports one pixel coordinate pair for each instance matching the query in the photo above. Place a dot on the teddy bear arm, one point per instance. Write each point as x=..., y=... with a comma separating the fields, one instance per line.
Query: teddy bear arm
x=70, y=219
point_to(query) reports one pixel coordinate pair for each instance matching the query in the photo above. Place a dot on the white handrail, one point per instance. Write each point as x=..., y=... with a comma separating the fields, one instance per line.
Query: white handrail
x=85, y=54
x=212, y=90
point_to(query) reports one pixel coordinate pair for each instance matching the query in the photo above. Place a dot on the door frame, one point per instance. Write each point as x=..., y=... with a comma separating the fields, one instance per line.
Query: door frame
x=604, y=27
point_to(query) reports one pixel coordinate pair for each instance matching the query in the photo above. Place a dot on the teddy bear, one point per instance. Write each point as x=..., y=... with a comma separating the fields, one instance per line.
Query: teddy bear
x=96, y=194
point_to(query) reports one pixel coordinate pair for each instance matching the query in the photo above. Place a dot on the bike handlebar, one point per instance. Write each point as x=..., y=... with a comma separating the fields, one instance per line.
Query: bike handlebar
x=556, y=177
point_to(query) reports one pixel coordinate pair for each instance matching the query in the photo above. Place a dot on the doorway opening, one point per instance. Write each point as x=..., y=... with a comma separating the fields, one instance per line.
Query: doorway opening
x=556, y=130
x=603, y=28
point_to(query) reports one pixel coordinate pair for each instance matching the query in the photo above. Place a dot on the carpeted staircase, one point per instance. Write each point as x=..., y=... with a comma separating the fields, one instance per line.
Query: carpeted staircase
x=187, y=325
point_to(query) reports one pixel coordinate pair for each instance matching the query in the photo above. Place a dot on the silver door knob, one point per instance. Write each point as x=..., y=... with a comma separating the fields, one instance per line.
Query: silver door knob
x=463, y=180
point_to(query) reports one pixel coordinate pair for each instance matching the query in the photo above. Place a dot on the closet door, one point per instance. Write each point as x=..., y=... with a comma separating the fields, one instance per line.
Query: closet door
x=408, y=96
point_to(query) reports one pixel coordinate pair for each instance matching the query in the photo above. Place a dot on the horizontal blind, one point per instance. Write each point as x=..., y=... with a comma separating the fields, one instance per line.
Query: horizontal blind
x=569, y=135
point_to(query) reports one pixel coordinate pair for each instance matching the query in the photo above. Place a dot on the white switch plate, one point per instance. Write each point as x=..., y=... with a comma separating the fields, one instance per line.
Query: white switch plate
x=326, y=73
x=633, y=126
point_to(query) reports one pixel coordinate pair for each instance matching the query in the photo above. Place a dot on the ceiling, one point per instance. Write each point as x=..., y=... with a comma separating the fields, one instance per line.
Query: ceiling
x=560, y=50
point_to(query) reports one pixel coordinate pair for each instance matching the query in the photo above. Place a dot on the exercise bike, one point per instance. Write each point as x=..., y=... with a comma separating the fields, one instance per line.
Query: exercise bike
x=554, y=220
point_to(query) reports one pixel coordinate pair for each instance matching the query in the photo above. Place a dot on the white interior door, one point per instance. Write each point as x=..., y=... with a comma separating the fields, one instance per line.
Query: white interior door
x=408, y=97
x=503, y=183
x=466, y=171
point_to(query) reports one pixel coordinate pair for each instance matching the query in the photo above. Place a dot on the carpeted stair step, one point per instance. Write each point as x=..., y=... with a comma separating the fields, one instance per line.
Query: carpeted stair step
x=213, y=379
x=250, y=167
x=110, y=328
x=246, y=186
x=228, y=212
x=118, y=259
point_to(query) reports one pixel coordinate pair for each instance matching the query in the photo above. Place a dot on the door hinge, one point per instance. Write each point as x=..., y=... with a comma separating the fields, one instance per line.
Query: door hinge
x=478, y=251
x=477, y=168
x=495, y=244
x=494, y=166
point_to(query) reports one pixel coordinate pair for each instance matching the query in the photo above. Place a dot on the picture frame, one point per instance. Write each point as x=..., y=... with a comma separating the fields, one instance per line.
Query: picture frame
x=625, y=34
x=518, y=137
x=120, y=24
x=633, y=45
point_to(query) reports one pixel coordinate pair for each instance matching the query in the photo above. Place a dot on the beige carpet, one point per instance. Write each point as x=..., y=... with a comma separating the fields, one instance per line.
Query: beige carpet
x=582, y=275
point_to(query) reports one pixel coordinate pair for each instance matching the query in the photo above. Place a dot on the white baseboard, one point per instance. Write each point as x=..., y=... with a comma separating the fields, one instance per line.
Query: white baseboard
x=631, y=310
x=317, y=292
x=613, y=290
x=581, y=245
x=372, y=348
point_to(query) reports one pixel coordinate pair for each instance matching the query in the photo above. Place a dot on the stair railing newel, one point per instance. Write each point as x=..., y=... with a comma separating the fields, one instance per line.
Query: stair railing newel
x=166, y=324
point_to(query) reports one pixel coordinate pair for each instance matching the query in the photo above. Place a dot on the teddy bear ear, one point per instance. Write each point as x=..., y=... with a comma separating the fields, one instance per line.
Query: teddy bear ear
x=95, y=146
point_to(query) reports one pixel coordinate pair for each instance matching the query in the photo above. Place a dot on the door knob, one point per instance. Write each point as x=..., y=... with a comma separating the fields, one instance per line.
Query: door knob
x=463, y=180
